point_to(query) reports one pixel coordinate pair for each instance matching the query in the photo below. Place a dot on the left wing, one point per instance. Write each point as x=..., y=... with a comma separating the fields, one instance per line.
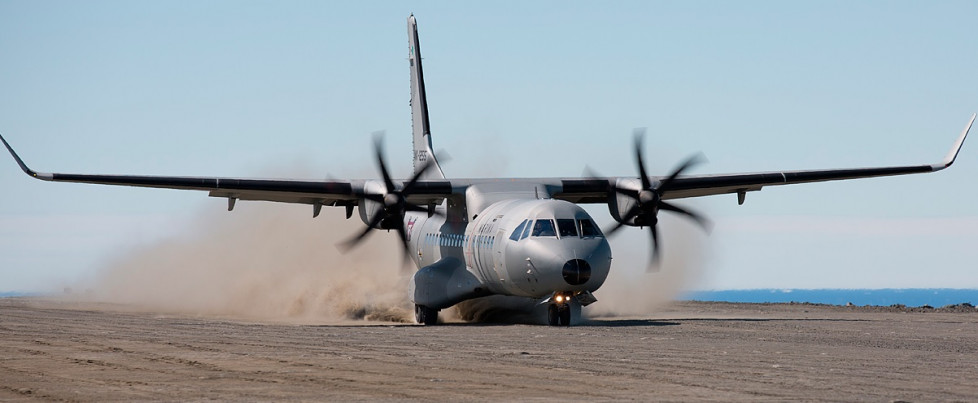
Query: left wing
x=316, y=193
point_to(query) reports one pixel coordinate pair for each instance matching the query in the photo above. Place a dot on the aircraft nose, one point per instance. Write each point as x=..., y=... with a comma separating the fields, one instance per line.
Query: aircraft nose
x=576, y=271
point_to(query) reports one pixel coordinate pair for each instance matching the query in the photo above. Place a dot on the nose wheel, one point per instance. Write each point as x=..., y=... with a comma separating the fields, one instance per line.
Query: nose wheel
x=425, y=316
x=559, y=315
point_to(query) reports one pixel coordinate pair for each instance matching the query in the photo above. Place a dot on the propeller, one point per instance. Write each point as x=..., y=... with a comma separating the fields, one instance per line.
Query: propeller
x=394, y=201
x=648, y=199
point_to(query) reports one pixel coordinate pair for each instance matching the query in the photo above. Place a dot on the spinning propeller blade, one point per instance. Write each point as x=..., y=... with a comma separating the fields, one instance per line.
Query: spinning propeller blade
x=394, y=202
x=648, y=199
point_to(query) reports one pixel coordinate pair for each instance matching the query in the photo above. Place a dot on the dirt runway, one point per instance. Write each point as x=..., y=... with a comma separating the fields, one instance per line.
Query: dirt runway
x=55, y=350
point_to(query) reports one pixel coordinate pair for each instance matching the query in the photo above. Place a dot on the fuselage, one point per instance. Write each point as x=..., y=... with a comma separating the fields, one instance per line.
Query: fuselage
x=519, y=247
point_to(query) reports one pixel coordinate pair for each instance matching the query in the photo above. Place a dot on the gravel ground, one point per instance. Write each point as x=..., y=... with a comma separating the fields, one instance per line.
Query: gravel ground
x=56, y=350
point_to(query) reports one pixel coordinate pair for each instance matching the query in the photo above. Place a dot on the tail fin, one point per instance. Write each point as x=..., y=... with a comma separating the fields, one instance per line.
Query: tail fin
x=419, y=108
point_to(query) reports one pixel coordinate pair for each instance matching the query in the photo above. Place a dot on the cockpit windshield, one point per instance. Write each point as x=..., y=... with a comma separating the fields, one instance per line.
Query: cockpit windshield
x=588, y=228
x=566, y=227
x=544, y=228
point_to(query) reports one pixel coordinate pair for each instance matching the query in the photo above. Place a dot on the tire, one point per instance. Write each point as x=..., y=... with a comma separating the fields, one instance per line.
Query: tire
x=425, y=316
x=553, y=315
x=565, y=315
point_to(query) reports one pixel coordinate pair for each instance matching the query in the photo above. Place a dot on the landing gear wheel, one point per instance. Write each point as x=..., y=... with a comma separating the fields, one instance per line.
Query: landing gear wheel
x=425, y=316
x=565, y=314
x=553, y=315
x=559, y=315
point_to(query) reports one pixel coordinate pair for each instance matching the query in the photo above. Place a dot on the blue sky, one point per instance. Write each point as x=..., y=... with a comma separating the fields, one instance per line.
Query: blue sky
x=292, y=88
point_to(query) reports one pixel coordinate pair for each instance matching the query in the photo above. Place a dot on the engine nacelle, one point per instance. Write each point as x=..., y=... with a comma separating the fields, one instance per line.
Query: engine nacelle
x=370, y=208
x=619, y=204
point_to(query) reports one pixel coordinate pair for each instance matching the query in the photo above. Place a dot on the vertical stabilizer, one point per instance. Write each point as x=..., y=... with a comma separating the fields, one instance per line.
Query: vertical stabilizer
x=419, y=108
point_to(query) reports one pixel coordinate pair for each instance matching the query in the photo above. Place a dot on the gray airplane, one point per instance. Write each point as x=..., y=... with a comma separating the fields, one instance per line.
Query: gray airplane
x=521, y=237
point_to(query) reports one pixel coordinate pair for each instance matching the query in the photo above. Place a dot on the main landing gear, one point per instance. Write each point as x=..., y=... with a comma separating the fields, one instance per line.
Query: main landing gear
x=425, y=316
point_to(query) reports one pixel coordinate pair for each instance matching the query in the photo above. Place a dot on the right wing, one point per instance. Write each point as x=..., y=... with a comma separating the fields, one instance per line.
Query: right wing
x=597, y=190
x=705, y=185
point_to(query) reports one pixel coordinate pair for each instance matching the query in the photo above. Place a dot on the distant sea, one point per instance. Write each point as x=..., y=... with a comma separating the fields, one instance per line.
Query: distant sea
x=913, y=297
x=935, y=297
x=5, y=294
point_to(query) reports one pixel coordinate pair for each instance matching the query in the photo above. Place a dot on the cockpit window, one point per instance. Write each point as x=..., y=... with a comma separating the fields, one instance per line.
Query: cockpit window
x=588, y=228
x=518, y=231
x=526, y=229
x=566, y=227
x=544, y=228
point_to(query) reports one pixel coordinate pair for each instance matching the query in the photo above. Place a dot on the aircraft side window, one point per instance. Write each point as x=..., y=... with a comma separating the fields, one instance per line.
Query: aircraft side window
x=544, y=228
x=588, y=228
x=526, y=229
x=518, y=231
x=566, y=227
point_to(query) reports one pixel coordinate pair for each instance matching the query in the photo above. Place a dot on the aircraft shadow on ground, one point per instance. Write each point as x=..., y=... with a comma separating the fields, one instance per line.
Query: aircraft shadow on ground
x=585, y=323
x=628, y=322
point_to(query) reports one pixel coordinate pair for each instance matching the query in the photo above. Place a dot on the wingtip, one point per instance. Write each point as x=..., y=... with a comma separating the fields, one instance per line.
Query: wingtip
x=23, y=166
x=20, y=162
x=956, y=148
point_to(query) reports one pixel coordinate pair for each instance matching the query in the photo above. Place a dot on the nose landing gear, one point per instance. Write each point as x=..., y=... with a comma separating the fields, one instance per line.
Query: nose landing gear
x=559, y=311
x=559, y=315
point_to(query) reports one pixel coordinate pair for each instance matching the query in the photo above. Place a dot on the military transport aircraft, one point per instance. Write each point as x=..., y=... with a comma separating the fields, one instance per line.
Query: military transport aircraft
x=523, y=237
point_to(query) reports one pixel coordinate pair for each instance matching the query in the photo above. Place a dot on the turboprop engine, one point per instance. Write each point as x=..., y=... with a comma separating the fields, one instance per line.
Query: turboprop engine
x=637, y=203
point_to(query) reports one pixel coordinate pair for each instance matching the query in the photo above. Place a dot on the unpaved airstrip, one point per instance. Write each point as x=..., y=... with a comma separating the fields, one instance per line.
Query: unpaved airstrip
x=57, y=350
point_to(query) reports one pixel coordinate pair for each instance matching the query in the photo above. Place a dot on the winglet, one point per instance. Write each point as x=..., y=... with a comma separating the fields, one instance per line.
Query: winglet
x=23, y=166
x=953, y=154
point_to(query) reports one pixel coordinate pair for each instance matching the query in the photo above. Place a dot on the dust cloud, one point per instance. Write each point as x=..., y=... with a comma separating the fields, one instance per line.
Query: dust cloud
x=264, y=261
x=275, y=262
